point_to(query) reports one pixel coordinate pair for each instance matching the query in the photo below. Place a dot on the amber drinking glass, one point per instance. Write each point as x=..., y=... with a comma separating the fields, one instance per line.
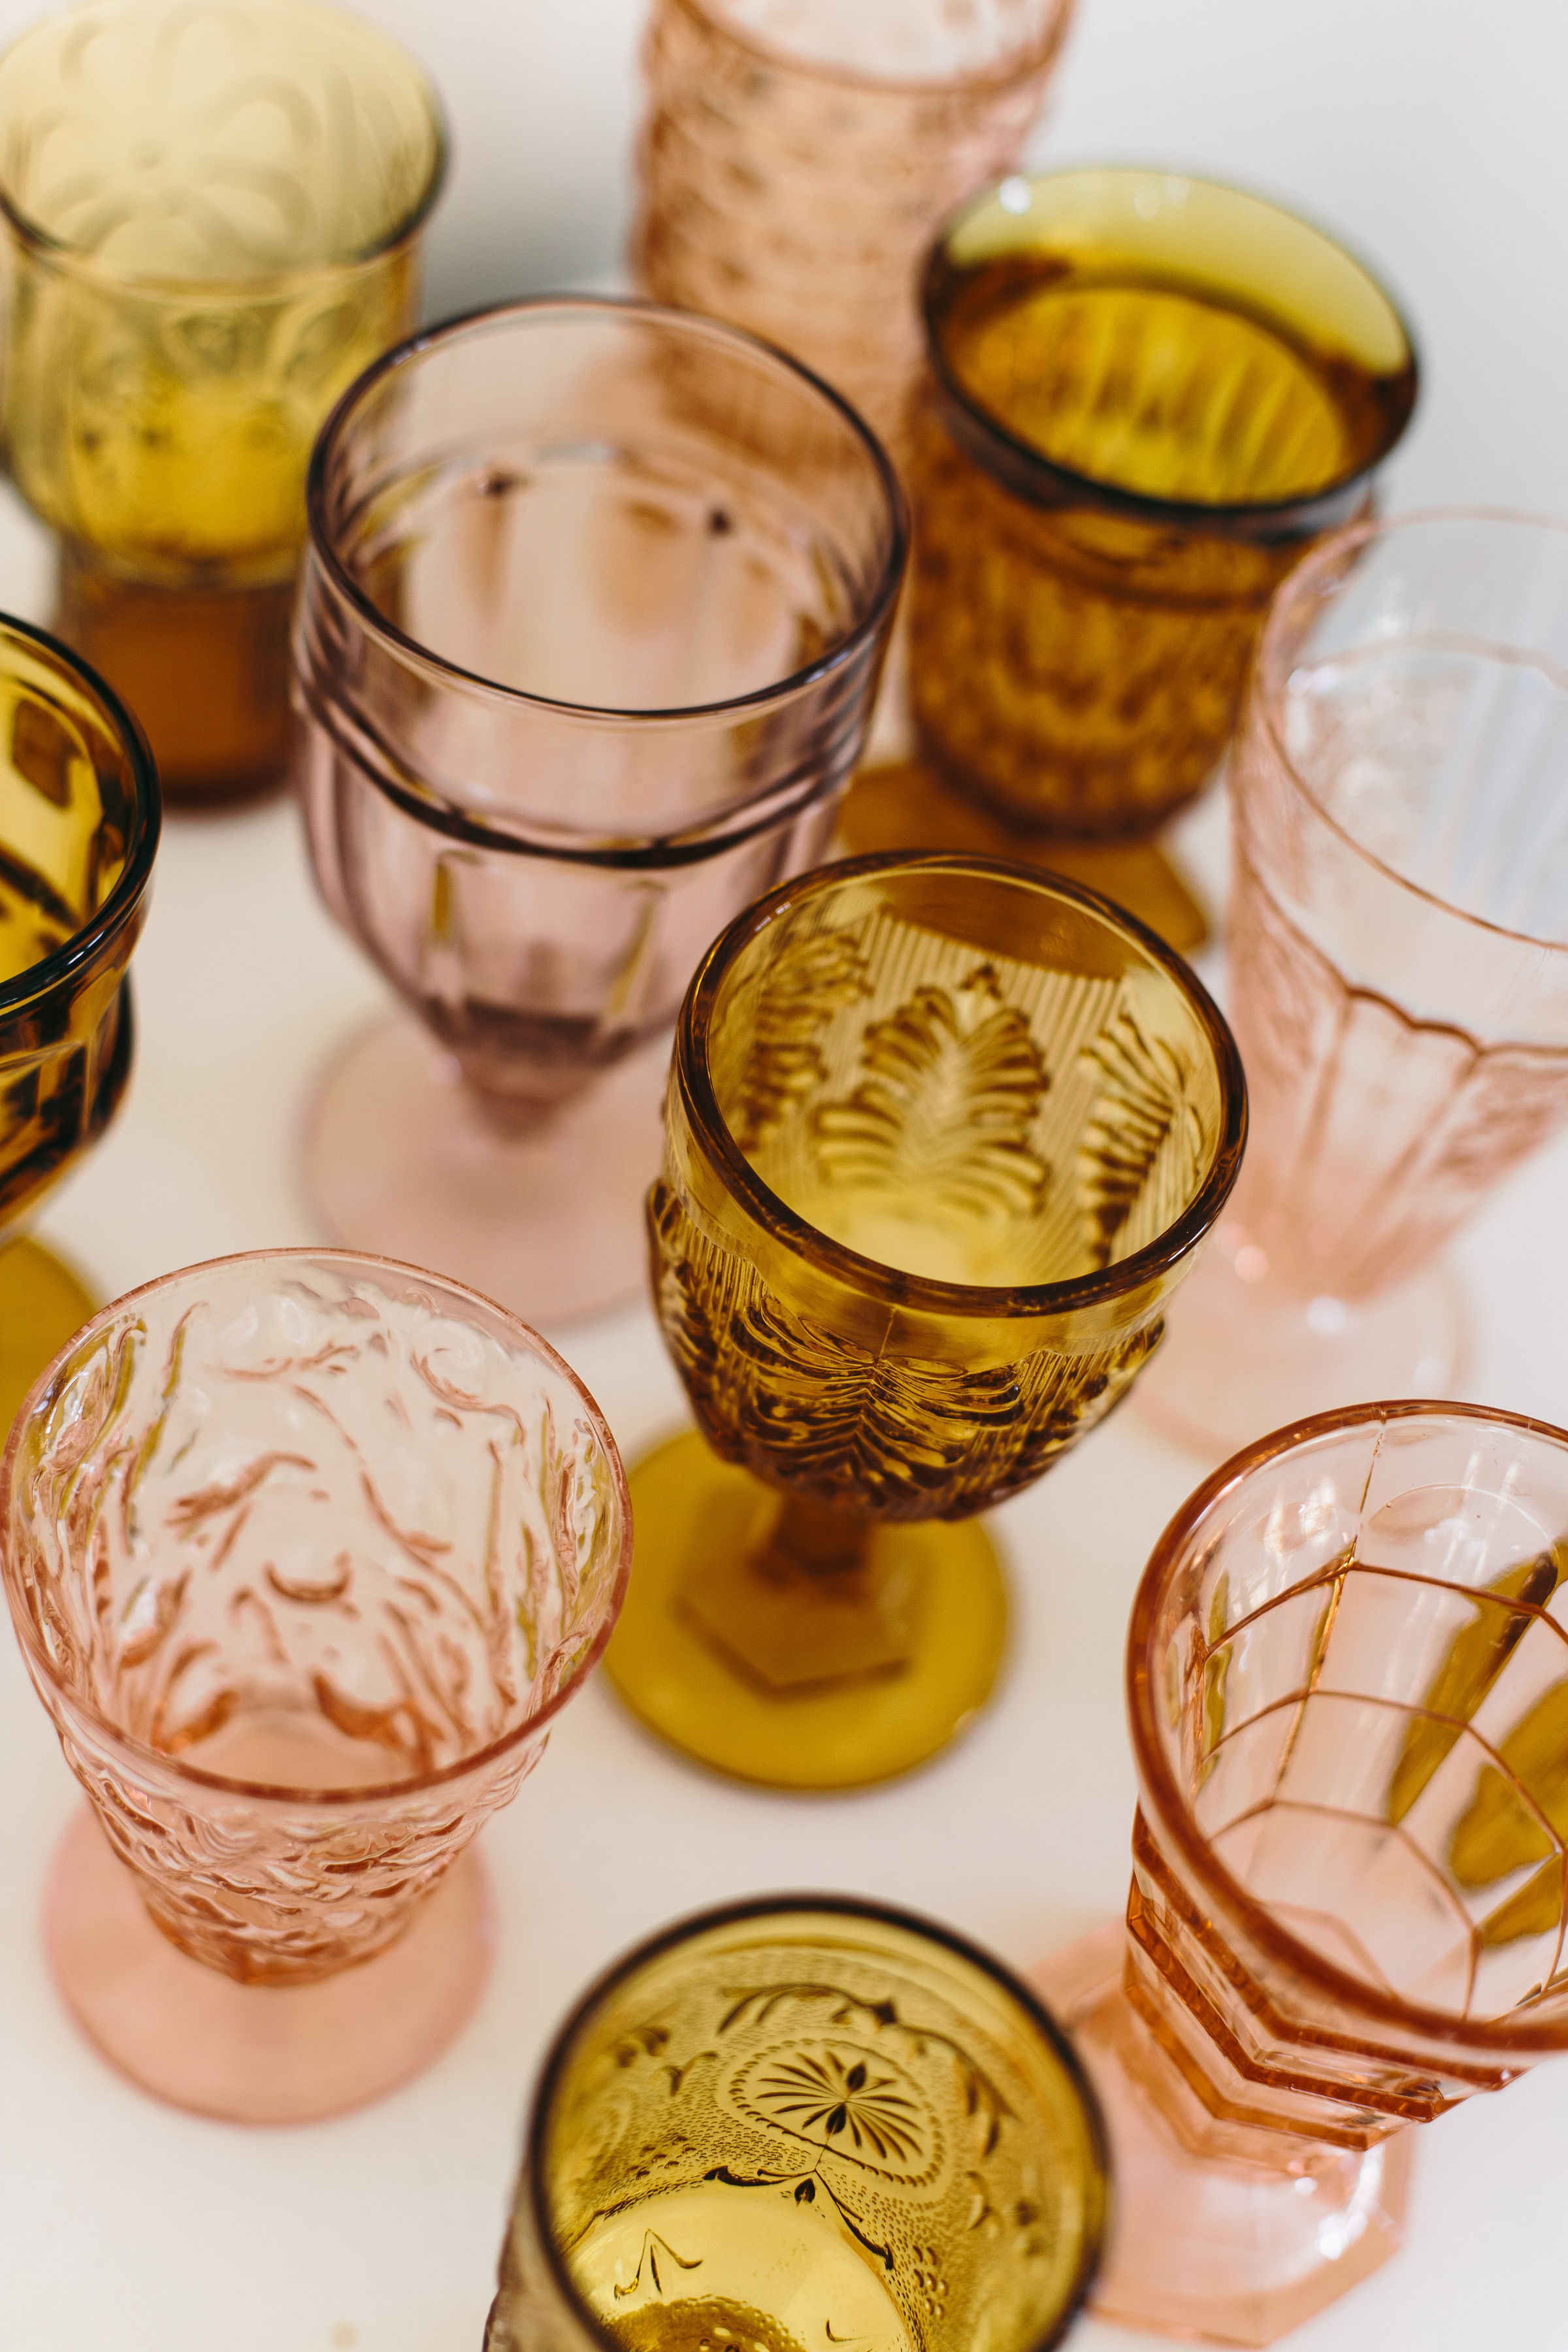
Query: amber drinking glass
x=305, y=1551
x=798, y=155
x=79, y=829
x=211, y=222
x=1398, y=954
x=591, y=624
x=1348, y=1683
x=943, y=1136
x=796, y=2122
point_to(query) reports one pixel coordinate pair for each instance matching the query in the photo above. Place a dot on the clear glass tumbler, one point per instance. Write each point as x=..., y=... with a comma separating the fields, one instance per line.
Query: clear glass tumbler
x=592, y=620
x=211, y=218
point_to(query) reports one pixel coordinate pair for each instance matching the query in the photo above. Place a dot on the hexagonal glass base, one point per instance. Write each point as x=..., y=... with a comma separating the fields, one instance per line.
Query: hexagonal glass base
x=42, y=1302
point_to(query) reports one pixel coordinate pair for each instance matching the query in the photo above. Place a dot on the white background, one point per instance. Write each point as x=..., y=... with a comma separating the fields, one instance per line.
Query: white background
x=1430, y=133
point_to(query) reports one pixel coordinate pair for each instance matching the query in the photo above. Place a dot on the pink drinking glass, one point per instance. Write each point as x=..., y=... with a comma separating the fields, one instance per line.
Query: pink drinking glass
x=1347, y=1678
x=592, y=618
x=305, y=1551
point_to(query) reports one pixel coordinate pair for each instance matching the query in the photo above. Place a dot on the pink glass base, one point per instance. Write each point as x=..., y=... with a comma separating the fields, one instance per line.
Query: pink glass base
x=1243, y=1356
x=400, y=1157
x=1225, y=2232
x=258, y=2053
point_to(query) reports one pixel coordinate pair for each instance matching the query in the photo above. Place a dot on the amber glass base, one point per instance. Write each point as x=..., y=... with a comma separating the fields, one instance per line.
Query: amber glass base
x=1224, y=2232
x=756, y=1641
x=42, y=1302
x=258, y=2053
x=907, y=805
x=205, y=670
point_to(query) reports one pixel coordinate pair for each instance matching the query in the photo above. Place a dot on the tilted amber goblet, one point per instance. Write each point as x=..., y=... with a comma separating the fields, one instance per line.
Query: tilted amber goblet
x=304, y=1551
x=942, y=1137
x=79, y=830
x=1347, y=1685
x=796, y=2122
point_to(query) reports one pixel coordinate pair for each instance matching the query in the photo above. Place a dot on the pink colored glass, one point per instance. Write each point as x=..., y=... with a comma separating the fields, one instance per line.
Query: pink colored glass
x=1398, y=962
x=304, y=1551
x=797, y=157
x=594, y=615
x=1348, y=1685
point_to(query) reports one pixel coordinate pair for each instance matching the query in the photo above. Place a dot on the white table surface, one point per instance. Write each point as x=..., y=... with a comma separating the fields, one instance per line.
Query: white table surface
x=1432, y=134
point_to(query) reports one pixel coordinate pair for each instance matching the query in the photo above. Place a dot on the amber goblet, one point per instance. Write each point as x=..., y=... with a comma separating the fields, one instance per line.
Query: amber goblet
x=1348, y=1686
x=305, y=1551
x=801, y=2121
x=942, y=1138
x=79, y=830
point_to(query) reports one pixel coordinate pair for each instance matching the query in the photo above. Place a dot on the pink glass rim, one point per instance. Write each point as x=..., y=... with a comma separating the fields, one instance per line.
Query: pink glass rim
x=278, y=1791
x=692, y=324
x=1016, y=66
x=1159, y=1796
x=1295, y=590
x=922, y=1292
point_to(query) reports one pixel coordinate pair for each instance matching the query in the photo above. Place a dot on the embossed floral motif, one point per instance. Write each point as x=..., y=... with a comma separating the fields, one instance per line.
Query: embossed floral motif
x=839, y=2097
x=1144, y=1133
x=808, y=982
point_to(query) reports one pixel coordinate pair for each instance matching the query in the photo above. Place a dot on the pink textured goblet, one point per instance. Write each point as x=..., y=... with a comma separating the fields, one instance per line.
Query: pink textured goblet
x=592, y=617
x=1398, y=944
x=1348, y=1686
x=304, y=1553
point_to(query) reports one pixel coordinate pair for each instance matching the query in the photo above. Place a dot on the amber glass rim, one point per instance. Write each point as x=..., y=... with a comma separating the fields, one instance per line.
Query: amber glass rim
x=1296, y=592
x=1030, y=474
x=137, y=1753
x=868, y=1275
x=264, y=284
x=1160, y=1793
x=147, y=818
x=1032, y=58
x=785, y=1908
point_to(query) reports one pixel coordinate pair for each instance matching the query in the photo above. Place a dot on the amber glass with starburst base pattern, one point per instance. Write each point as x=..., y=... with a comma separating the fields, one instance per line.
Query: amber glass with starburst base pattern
x=942, y=1137
x=797, y=2122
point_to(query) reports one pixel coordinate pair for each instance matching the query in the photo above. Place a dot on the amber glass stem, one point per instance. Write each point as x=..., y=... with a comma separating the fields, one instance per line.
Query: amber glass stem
x=812, y=1539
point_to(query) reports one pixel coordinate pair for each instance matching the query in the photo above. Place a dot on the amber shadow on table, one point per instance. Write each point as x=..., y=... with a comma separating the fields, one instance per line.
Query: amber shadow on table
x=80, y=816
x=1347, y=1677
x=210, y=221
x=591, y=624
x=1399, y=952
x=305, y=1552
x=799, y=2121
x=943, y=1136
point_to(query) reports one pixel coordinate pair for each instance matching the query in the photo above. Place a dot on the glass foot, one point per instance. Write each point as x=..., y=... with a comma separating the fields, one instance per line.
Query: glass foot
x=1224, y=2232
x=258, y=2053
x=1242, y=1356
x=42, y=1302
x=401, y=1159
x=796, y=1679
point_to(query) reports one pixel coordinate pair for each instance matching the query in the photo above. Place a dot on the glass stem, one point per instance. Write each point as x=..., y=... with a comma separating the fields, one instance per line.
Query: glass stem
x=813, y=1539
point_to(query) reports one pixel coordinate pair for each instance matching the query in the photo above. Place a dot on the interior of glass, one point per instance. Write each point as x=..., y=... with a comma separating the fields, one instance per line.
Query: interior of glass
x=1169, y=337
x=215, y=144
x=1420, y=692
x=1360, y=1668
x=966, y=1076
x=898, y=40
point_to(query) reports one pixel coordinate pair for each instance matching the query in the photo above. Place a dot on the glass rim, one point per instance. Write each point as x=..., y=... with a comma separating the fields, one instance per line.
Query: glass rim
x=1039, y=55
x=1030, y=474
x=496, y=317
x=1293, y=593
x=262, y=286
x=38, y=980
x=870, y=1278
x=783, y=1907
x=1160, y=1794
x=138, y=1752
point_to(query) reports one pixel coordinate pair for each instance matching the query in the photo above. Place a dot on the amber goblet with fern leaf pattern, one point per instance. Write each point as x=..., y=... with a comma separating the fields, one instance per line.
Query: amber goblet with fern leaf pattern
x=942, y=1135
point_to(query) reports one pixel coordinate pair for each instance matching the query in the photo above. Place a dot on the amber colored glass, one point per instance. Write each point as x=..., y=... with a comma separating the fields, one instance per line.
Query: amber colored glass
x=211, y=223
x=79, y=830
x=942, y=1138
x=802, y=2121
x=305, y=1552
x=1348, y=1686
x=798, y=155
x=1147, y=395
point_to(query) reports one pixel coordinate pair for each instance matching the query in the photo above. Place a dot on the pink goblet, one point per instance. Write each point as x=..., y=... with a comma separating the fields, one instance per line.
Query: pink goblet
x=304, y=1551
